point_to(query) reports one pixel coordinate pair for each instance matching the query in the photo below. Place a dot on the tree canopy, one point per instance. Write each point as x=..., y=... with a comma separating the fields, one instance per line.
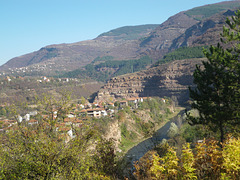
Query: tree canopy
x=45, y=150
x=217, y=94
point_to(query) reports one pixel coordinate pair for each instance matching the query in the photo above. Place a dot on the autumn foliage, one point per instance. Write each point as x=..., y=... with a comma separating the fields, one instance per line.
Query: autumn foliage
x=207, y=160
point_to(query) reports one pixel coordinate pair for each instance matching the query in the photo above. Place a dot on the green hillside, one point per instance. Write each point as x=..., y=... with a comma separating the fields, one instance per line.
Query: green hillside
x=103, y=68
x=183, y=53
x=130, y=32
x=200, y=13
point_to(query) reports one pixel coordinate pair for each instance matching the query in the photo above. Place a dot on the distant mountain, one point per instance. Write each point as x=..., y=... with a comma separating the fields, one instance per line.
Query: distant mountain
x=196, y=27
x=121, y=44
x=203, y=12
x=130, y=32
x=199, y=26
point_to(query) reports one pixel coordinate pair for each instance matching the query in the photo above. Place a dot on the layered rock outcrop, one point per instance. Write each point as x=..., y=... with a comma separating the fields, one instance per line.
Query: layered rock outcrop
x=171, y=79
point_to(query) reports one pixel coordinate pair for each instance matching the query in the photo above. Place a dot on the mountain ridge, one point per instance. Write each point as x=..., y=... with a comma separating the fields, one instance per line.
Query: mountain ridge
x=124, y=43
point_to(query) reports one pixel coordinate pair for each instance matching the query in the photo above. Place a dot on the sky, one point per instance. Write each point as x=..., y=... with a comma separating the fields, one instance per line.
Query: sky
x=28, y=25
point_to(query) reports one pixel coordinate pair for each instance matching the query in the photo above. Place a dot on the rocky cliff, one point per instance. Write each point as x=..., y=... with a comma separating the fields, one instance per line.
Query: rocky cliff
x=170, y=80
x=203, y=33
x=161, y=39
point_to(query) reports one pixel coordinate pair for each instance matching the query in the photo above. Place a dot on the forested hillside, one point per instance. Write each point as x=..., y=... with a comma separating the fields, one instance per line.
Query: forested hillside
x=130, y=32
x=103, y=68
x=183, y=53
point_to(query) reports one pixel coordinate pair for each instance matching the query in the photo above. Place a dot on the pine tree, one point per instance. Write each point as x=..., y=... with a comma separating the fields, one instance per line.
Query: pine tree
x=216, y=95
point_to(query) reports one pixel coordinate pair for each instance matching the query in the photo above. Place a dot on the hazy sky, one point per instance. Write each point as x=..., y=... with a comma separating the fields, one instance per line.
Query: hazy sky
x=28, y=25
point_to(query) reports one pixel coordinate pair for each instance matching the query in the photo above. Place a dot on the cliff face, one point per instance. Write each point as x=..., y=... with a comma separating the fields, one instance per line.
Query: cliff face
x=121, y=44
x=170, y=80
x=203, y=33
x=160, y=40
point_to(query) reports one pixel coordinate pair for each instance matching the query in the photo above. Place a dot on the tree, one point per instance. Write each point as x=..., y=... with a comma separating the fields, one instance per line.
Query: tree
x=172, y=131
x=216, y=94
x=42, y=151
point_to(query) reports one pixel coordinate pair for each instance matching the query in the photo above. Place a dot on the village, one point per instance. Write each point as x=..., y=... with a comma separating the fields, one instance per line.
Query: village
x=73, y=119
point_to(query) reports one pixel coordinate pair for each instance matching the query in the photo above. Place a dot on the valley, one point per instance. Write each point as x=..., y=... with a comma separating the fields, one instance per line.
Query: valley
x=131, y=103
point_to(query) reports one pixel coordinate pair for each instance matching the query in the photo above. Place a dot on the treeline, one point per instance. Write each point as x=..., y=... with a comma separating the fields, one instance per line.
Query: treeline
x=130, y=32
x=108, y=68
x=201, y=13
x=103, y=68
x=183, y=53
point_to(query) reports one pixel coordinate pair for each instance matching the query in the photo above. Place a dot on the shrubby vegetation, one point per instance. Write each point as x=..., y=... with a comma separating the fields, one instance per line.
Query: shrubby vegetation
x=41, y=151
x=129, y=32
x=182, y=53
x=205, y=161
x=102, y=59
x=201, y=13
x=109, y=68
x=37, y=153
x=156, y=112
x=26, y=88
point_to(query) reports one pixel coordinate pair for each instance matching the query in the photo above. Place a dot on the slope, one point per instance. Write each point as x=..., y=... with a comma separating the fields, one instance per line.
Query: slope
x=198, y=26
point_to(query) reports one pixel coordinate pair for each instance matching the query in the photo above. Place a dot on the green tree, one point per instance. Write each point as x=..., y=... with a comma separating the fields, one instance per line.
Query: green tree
x=83, y=100
x=172, y=131
x=42, y=151
x=216, y=95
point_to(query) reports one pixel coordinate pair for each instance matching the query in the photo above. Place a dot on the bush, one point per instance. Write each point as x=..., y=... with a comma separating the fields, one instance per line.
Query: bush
x=206, y=161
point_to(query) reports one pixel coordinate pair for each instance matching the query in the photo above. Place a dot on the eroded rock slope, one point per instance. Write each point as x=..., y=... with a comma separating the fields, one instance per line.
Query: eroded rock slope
x=172, y=80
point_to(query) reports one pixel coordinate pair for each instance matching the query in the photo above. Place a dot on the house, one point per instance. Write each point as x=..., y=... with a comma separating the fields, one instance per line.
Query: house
x=111, y=111
x=71, y=115
x=66, y=131
x=32, y=122
x=19, y=118
x=68, y=121
x=104, y=112
x=123, y=103
x=97, y=112
x=88, y=105
x=8, y=79
x=33, y=113
x=26, y=117
x=66, y=80
x=81, y=106
x=133, y=100
x=70, y=133
x=8, y=123
x=77, y=123
x=46, y=79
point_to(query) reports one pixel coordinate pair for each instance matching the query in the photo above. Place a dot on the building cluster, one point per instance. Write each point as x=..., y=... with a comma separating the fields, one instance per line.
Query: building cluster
x=74, y=119
x=40, y=79
x=29, y=69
